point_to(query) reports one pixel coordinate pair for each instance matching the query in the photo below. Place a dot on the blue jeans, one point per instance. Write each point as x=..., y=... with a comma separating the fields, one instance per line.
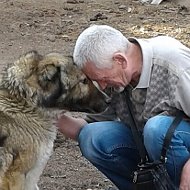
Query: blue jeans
x=110, y=147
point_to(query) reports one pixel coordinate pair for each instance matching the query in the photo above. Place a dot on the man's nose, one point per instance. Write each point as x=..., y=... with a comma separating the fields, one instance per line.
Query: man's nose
x=102, y=85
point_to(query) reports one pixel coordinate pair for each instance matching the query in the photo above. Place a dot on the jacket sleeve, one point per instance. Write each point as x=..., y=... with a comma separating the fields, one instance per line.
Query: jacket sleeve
x=182, y=97
x=107, y=115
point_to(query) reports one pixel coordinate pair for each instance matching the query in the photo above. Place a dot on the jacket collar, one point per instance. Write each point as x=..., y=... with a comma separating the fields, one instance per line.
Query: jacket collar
x=147, y=53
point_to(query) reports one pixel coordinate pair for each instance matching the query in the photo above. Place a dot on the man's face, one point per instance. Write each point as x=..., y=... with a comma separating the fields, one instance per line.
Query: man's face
x=107, y=77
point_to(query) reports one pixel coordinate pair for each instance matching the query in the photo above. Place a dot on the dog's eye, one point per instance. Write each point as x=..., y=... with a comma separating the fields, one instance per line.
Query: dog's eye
x=85, y=81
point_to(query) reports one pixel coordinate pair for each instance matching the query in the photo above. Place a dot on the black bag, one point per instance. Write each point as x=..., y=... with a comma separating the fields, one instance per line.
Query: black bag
x=151, y=175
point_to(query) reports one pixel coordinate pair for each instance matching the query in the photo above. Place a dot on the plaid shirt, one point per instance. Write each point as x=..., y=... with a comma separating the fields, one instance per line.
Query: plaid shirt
x=164, y=85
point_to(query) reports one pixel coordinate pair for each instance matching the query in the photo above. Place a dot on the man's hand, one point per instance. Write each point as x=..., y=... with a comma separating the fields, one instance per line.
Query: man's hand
x=185, y=177
x=70, y=126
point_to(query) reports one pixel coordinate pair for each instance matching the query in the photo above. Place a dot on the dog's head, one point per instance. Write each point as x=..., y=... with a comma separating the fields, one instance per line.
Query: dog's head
x=52, y=81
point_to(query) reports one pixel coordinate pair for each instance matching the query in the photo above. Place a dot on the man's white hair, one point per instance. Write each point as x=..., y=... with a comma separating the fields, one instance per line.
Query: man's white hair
x=97, y=44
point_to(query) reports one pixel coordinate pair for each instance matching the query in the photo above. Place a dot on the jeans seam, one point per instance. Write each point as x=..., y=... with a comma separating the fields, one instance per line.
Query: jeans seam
x=115, y=147
x=178, y=133
x=181, y=132
x=174, y=163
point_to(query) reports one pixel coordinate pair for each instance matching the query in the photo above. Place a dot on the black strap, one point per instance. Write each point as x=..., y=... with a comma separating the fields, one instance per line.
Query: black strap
x=135, y=131
x=169, y=134
x=138, y=137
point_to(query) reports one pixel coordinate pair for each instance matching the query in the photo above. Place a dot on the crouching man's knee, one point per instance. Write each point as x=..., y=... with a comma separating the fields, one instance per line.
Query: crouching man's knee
x=154, y=133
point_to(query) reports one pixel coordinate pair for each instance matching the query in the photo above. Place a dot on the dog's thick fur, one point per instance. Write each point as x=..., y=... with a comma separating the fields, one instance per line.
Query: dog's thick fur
x=29, y=87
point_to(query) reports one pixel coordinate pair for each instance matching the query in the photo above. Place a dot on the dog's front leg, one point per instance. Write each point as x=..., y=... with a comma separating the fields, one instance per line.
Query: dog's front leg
x=6, y=160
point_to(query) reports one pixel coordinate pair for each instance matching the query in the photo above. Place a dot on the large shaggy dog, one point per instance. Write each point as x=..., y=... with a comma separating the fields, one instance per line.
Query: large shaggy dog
x=29, y=89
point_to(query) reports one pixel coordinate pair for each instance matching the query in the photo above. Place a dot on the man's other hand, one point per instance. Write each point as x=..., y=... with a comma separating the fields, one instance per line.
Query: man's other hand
x=185, y=177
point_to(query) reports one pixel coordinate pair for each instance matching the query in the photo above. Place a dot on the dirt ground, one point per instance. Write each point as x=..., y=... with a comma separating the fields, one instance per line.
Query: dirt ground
x=53, y=25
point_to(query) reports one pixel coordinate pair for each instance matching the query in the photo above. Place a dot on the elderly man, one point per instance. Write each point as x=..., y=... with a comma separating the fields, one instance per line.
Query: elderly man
x=156, y=71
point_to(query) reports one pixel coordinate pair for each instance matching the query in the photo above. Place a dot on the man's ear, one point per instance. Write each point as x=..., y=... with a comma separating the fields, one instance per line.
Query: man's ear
x=120, y=59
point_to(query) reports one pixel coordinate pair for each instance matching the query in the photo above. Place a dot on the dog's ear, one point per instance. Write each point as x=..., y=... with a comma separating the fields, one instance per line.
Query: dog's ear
x=49, y=78
x=51, y=68
x=47, y=75
x=48, y=70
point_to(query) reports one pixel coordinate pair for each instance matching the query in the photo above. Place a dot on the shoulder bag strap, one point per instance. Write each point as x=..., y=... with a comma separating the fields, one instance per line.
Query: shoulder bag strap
x=135, y=131
x=169, y=135
x=138, y=137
